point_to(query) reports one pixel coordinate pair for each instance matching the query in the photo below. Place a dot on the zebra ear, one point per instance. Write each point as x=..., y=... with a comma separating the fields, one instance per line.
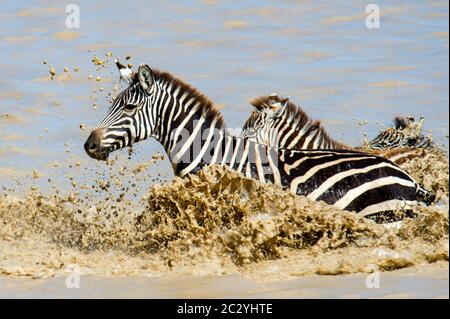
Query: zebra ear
x=282, y=107
x=145, y=76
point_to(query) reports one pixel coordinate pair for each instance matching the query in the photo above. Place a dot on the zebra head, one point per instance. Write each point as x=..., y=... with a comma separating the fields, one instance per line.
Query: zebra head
x=130, y=119
x=405, y=133
x=268, y=110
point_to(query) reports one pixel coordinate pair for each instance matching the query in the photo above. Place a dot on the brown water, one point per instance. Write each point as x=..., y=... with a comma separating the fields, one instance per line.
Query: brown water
x=425, y=281
x=128, y=224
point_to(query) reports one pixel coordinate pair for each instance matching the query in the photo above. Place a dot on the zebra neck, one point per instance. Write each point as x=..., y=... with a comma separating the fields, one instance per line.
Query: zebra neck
x=251, y=159
x=189, y=126
x=204, y=145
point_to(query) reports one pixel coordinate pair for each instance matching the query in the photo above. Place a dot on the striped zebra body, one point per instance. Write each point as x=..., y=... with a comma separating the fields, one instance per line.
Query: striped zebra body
x=192, y=131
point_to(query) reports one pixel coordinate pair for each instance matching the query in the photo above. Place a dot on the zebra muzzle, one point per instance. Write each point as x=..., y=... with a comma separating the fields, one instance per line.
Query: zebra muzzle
x=93, y=145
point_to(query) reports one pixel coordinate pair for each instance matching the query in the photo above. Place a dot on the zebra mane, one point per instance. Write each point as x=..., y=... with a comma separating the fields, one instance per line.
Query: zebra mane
x=208, y=110
x=295, y=116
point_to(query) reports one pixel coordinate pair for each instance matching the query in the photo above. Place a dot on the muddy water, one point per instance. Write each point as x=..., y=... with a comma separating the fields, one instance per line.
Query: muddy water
x=429, y=281
x=131, y=219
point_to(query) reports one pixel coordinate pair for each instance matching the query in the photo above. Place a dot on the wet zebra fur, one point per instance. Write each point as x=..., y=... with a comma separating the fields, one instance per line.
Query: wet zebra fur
x=192, y=131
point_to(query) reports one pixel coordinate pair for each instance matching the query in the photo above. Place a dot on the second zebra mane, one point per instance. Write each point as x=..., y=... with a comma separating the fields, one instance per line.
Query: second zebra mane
x=294, y=116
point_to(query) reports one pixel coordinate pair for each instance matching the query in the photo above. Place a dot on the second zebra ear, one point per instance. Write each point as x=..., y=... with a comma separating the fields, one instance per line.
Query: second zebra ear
x=282, y=107
x=146, y=78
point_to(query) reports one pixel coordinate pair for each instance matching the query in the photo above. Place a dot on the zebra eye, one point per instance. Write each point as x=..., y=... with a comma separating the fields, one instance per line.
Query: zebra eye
x=129, y=107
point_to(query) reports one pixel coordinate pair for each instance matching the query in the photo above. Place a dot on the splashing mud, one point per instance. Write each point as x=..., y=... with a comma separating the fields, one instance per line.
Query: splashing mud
x=431, y=171
x=216, y=222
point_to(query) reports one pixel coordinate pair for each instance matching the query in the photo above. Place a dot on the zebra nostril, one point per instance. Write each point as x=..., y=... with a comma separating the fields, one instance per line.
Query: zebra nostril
x=92, y=146
x=89, y=146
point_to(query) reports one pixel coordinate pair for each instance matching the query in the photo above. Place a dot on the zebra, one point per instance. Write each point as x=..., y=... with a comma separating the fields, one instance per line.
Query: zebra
x=278, y=122
x=405, y=133
x=192, y=131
